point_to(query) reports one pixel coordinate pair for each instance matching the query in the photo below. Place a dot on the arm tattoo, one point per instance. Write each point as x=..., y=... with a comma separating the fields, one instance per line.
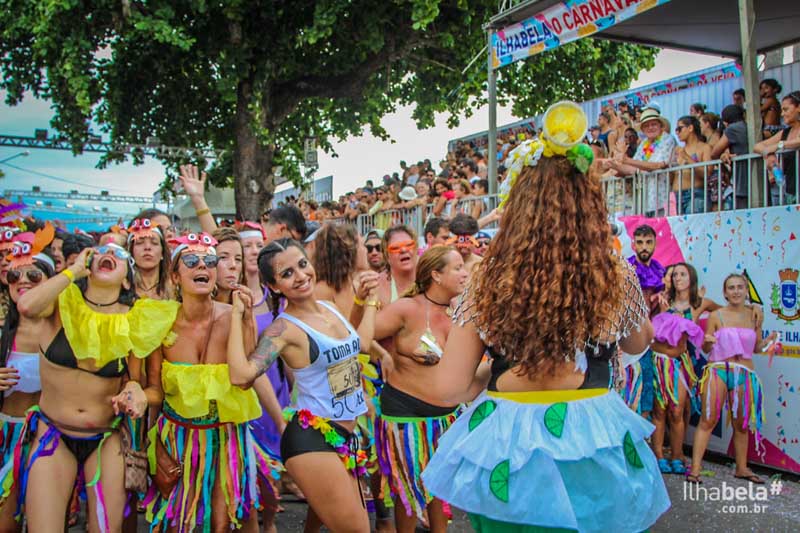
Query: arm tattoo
x=267, y=351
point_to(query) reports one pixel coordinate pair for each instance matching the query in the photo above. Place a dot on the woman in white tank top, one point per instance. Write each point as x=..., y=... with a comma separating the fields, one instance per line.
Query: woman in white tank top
x=321, y=348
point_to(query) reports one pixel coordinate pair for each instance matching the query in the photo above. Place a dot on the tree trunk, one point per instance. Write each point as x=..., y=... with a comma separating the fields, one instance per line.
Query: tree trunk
x=254, y=183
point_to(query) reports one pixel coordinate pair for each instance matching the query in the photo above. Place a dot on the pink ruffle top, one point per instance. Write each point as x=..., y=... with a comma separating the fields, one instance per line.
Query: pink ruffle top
x=669, y=328
x=732, y=342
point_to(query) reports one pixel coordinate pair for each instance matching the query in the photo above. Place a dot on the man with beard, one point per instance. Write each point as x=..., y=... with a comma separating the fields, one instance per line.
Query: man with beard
x=651, y=278
x=648, y=269
x=374, y=251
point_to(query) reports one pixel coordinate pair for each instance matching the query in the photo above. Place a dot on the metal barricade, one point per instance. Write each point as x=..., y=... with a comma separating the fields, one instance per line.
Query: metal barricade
x=743, y=182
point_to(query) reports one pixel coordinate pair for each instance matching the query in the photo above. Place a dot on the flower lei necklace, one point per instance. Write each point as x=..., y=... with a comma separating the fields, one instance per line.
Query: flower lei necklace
x=649, y=147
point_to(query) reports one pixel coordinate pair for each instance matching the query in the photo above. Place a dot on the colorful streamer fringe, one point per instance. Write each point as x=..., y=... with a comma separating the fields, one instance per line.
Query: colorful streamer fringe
x=354, y=460
x=372, y=384
x=741, y=383
x=631, y=390
x=208, y=451
x=269, y=463
x=22, y=462
x=670, y=372
x=405, y=446
x=11, y=431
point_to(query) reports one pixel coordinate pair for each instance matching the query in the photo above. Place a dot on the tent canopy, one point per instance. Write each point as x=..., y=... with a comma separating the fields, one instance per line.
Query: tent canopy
x=705, y=26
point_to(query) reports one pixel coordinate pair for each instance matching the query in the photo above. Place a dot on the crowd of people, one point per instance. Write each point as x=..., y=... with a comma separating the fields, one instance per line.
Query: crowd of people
x=195, y=376
x=627, y=140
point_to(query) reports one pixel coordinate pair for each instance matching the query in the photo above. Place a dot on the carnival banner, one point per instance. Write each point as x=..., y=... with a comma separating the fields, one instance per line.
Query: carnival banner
x=562, y=23
x=764, y=244
x=641, y=97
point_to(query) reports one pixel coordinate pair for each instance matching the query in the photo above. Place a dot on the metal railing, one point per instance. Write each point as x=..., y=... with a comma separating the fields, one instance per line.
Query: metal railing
x=743, y=183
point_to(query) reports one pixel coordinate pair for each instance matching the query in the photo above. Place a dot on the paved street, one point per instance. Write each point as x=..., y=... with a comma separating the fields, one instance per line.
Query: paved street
x=781, y=515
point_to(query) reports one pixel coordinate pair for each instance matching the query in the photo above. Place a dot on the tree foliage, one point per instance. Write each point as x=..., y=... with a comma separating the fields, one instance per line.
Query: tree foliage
x=257, y=78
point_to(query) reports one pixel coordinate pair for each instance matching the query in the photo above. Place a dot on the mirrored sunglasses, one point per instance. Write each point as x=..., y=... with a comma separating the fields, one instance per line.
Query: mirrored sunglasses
x=192, y=260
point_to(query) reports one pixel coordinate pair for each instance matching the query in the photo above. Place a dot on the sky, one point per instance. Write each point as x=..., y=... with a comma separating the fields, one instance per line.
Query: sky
x=360, y=158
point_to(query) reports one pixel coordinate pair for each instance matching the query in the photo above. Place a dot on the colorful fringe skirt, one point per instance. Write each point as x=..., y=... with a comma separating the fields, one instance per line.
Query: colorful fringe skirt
x=670, y=373
x=210, y=452
x=574, y=459
x=18, y=466
x=372, y=384
x=742, y=386
x=11, y=431
x=405, y=446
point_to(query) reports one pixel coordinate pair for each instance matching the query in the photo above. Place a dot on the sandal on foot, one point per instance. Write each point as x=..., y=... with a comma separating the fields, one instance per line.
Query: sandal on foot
x=694, y=478
x=664, y=466
x=678, y=467
x=752, y=478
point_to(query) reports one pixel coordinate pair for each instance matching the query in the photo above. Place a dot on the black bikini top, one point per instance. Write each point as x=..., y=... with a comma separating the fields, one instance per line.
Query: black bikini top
x=60, y=353
x=597, y=375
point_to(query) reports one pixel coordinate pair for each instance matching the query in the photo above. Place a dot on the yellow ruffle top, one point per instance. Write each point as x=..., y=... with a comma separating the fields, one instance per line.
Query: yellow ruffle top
x=189, y=388
x=109, y=337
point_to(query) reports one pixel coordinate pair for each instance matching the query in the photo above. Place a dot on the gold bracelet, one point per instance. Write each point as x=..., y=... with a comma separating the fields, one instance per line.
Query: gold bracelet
x=204, y=211
x=373, y=303
x=68, y=273
x=358, y=301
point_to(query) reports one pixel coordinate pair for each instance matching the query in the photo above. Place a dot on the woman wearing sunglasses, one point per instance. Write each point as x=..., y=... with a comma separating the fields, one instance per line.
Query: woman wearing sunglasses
x=410, y=425
x=90, y=329
x=207, y=463
x=321, y=347
x=19, y=361
x=148, y=248
x=399, y=246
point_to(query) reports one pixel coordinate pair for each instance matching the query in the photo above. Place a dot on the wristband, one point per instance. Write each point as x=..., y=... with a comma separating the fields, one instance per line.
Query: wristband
x=358, y=301
x=68, y=273
x=204, y=211
x=373, y=303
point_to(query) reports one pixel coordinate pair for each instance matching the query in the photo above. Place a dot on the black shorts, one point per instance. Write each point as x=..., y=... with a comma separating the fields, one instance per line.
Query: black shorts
x=297, y=440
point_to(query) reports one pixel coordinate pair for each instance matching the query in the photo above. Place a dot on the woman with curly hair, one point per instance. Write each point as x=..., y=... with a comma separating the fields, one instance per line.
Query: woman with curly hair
x=410, y=426
x=547, y=444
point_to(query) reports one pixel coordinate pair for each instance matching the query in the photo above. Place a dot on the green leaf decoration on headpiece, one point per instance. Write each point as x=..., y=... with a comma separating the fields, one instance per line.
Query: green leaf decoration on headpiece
x=581, y=157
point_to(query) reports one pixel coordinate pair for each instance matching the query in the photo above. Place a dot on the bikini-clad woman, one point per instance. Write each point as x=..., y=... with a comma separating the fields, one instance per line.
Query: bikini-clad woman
x=19, y=362
x=410, y=425
x=321, y=347
x=95, y=324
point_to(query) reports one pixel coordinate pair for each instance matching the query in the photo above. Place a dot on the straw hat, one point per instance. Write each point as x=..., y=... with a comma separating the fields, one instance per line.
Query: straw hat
x=652, y=114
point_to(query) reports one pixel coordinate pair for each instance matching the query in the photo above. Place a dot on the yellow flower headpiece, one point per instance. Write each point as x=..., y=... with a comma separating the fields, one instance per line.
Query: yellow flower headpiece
x=563, y=130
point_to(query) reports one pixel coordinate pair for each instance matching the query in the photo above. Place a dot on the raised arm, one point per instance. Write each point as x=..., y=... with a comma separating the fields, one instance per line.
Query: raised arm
x=243, y=368
x=39, y=302
x=194, y=184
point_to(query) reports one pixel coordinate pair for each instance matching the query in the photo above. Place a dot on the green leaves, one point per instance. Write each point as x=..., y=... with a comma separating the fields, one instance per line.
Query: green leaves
x=498, y=481
x=554, y=418
x=481, y=413
x=180, y=70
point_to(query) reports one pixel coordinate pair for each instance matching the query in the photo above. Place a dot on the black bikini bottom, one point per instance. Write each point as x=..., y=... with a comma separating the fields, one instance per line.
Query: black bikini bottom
x=397, y=403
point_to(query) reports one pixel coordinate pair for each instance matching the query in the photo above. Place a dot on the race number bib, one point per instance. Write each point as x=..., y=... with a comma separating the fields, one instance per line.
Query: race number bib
x=344, y=378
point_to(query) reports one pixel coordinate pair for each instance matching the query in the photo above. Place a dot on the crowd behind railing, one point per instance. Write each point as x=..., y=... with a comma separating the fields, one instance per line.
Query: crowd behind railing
x=705, y=164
